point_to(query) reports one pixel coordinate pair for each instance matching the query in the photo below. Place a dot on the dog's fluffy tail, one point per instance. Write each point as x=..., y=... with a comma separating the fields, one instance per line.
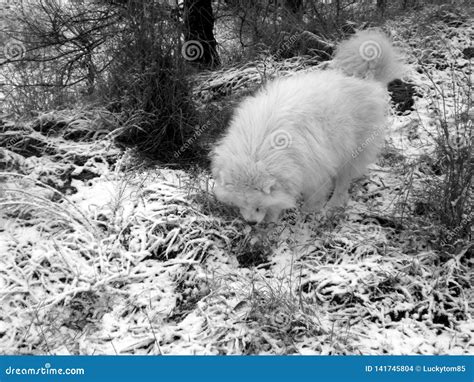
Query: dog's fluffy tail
x=369, y=54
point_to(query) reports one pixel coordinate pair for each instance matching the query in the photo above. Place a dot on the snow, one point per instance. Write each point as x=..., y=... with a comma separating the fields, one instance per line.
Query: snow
x=146, y=262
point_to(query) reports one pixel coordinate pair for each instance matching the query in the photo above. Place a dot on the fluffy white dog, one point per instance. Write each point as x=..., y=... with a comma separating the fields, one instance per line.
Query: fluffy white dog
x=299, y=136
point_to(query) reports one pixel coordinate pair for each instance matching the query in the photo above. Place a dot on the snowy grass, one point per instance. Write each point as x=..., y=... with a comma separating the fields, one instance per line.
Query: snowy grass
x=134, y=259
x=158, y=274
x=449, y=196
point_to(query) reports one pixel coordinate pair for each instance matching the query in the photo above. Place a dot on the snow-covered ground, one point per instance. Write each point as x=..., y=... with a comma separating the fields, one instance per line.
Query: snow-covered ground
x=101, y=256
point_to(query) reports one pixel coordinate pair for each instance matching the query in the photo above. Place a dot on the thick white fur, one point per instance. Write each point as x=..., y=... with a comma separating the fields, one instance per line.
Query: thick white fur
x=369, y=55
x=300, y=134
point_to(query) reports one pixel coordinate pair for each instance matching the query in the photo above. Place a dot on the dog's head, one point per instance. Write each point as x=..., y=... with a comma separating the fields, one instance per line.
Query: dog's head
x=254, y=192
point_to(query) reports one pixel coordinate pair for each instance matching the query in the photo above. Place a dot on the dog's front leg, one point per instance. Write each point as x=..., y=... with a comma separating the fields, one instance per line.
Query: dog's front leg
x=314, y=199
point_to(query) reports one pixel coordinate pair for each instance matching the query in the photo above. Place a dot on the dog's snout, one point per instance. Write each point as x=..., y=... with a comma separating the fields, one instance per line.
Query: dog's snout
x=252, y=222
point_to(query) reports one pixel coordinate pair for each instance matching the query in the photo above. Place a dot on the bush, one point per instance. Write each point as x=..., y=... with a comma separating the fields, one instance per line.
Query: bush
x=126, y=54
x=449, y=191
x=148, y=83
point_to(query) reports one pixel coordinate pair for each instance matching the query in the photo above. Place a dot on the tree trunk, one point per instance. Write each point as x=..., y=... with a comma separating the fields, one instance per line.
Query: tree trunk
x=381, y=5
x=200, y=44
x=294, y=5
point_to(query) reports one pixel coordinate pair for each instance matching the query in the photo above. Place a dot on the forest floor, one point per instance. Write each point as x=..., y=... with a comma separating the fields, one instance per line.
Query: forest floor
x=101, y=255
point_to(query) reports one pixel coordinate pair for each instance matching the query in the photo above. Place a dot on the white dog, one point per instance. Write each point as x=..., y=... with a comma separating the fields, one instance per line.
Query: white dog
x=301, y=134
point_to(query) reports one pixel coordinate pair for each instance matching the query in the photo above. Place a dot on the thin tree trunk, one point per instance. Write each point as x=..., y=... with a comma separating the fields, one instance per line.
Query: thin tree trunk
x=200, y=43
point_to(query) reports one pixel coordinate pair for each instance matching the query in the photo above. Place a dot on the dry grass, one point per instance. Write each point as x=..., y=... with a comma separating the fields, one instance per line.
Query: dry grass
x=158, y=274
x=143, y=260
